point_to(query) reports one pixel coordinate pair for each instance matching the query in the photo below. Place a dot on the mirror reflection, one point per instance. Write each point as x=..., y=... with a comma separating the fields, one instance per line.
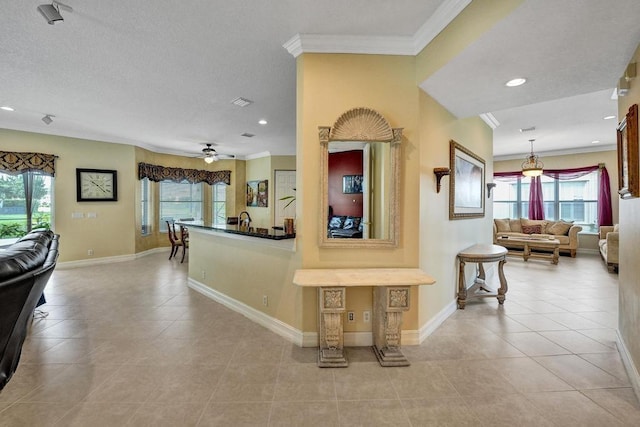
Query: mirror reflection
x=360, y=174
x=358, y=188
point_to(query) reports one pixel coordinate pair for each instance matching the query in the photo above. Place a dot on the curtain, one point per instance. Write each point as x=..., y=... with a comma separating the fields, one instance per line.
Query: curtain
x=535, y=192
x=605, y=217
x=536, y=204
x=157, y=173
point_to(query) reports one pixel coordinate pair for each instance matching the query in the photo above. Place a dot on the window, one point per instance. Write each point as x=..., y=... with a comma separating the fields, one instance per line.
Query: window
x=15, y=218
x=219, y=204
x=569, y=200
x=179, y=200
x=145, y=206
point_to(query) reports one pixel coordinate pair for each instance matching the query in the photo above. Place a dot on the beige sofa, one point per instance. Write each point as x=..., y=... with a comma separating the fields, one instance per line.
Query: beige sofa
x=608, y=245
x=565, y=232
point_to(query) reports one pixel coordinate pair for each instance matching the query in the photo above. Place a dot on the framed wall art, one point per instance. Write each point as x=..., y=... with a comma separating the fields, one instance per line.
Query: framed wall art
x=628, y=179
x=466, y=183
x=258, y=193
x=351, y=184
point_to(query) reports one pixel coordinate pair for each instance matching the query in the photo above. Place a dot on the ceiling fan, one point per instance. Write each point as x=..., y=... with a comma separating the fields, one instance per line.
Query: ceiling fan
x=210, y=155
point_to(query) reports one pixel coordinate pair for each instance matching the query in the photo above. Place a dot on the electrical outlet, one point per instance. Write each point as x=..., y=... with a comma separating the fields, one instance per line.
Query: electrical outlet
x=265, y=300
x=366, y=316
x=351, y=317
x=90, y=252
x=204, y=274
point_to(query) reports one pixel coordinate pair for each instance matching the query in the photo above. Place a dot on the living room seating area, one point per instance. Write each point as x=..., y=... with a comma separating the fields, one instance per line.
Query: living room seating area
x=608, y=246
x=565, y=232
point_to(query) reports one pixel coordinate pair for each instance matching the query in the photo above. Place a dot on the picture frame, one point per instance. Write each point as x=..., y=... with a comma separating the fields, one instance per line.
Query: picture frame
x=258, y=193
x=466, y=183
x=96, y=185
x=628, y=172
x=351, y=184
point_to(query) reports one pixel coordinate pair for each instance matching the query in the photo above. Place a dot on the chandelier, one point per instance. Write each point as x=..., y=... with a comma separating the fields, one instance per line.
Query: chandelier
x=532, y=166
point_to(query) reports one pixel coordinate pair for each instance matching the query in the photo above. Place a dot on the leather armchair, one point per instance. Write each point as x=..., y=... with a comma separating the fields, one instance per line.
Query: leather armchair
x=25, y=268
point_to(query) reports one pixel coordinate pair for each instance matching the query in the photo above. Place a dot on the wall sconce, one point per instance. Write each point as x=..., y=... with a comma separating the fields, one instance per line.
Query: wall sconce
x=440, y=172
x=490, y=186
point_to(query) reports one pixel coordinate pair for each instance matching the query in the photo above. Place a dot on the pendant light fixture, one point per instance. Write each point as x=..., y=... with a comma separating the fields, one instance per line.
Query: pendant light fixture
x=532, y=166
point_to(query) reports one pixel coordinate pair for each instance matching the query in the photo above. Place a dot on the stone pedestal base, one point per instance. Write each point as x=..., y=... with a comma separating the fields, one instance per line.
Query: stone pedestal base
x=388, y=304
x=332, y=302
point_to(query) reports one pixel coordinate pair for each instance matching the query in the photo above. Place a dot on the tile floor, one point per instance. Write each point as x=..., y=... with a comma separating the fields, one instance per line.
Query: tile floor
x=130, y=344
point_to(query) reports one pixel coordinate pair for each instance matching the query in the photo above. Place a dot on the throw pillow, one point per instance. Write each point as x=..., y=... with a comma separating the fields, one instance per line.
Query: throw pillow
x=336, y=221
x=560, y=228
x=502, y=225
x=616, y=228
x=352, y=222
x=532, y=229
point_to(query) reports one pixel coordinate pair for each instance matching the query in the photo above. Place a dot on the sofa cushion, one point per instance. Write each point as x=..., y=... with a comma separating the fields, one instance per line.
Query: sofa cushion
x=532, y=229
x=616, y=228
x=337, y=221
x=351, y=223
x=515, y=225
x=559, y=228
x=502, y=225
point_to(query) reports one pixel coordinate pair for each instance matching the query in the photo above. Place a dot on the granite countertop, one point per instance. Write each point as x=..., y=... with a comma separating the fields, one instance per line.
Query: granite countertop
x=261, y=233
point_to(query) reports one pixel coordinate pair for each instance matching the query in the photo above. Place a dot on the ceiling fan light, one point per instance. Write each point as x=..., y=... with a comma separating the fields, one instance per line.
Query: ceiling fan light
x=209, y=159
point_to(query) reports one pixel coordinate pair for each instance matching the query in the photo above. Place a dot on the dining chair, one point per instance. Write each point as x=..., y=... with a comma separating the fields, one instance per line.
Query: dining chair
x=173, y=238
x=184, y=239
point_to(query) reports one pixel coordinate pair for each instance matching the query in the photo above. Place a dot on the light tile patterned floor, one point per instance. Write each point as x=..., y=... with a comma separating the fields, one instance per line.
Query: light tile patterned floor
x=130, y=344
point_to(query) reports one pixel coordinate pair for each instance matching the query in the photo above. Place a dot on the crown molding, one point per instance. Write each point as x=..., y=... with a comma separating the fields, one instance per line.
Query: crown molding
x=371, y=45
x=542, y=154
x=437, y=22
x=490, y=120
x=257, y=155
x=376, y=45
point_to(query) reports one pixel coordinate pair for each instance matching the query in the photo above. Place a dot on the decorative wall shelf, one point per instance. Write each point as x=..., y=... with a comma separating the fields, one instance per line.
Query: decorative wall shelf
x=440, y=172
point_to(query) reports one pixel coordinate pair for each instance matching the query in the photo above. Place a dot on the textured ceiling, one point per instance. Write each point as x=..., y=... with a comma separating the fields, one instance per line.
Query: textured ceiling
x=162, y=74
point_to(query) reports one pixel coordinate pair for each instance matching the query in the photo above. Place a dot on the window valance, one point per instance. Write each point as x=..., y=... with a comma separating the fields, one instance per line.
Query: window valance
x=160, y=173
x=16, y=163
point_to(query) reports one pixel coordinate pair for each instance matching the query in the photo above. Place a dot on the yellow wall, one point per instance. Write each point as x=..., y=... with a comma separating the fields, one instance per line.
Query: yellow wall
x=629, y=276
x=329, y=85
x=260, y=170
x=111, y=233
x=609, y=158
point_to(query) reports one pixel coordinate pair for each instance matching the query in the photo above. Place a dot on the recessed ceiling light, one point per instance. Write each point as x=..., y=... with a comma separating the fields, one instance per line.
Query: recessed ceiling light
x=608, y=117
x=6, y=108
x=262, y=122
x=595, y=142
x=516, y=82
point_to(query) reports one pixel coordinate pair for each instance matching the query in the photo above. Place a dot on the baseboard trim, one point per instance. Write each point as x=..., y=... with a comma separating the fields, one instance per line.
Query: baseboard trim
x=436, y=321
x=632, y=371
x=286, y=331
x=106, y=260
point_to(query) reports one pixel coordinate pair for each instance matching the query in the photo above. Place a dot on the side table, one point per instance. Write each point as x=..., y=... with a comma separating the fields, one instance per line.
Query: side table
x=480, y=254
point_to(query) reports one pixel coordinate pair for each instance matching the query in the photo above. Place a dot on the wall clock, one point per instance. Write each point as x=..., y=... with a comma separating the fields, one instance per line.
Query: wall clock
x=96, y=185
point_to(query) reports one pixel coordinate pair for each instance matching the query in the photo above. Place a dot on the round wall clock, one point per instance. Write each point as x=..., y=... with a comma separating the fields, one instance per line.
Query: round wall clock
x=96, y=185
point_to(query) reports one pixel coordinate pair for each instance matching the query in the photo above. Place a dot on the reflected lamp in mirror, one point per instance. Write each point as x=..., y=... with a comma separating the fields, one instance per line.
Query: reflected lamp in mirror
x=360, y=144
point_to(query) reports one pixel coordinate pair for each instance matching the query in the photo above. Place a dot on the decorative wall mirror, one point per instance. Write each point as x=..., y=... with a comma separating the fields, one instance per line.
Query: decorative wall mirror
x=360, y=165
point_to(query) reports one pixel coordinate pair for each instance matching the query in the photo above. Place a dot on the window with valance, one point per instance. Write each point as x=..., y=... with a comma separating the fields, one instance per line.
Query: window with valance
x=26, y=180
x=162, y=173
x=581, y=194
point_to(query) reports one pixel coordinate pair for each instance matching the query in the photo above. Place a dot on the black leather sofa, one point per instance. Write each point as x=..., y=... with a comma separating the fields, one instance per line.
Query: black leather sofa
x=345, y=227
x=25, y=268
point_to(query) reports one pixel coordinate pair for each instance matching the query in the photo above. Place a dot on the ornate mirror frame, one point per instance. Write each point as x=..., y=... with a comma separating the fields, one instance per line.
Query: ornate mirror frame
x=361, y=125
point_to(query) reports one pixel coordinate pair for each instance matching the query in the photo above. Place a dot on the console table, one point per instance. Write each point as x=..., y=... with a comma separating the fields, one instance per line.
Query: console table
x=481, y=254
x=390, y=299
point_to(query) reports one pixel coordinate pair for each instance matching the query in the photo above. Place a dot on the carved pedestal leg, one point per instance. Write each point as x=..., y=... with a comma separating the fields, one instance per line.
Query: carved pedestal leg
x=389, y=303
x=503, y=282
x=331, y=334
x=462, y=287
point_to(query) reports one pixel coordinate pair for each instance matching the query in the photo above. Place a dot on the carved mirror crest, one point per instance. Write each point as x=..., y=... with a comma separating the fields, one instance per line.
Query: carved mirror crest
x=360, y=182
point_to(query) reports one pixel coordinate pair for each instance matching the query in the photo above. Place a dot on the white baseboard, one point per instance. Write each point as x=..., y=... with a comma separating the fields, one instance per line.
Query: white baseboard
x=106, y=260
x=286, y=331
x=436, y=321
x=632, y=370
